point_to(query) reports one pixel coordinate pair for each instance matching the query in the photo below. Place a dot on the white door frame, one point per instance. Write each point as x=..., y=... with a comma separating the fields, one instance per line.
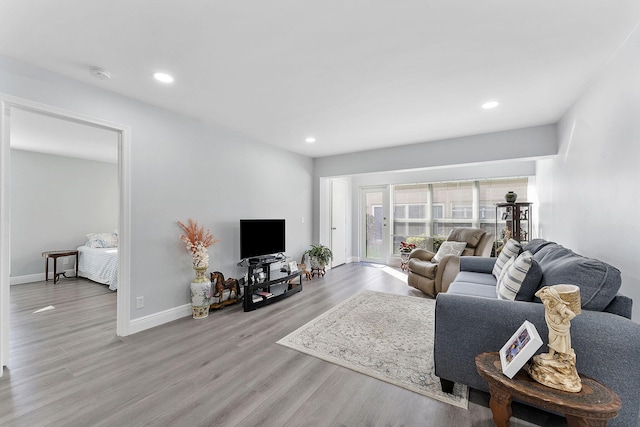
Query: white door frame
x=7, y=104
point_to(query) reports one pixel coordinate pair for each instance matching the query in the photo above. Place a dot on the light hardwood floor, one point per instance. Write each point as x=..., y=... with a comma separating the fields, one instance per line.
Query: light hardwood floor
x=68, y=368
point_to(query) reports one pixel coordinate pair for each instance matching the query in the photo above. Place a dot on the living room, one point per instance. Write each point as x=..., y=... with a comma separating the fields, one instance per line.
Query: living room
x=177, y=166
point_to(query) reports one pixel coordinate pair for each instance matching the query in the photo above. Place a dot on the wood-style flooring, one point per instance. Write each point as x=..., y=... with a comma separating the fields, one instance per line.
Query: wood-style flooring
x=68, y=368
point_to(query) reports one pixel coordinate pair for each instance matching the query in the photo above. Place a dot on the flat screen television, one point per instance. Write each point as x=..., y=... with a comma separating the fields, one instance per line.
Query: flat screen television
x=260, y=238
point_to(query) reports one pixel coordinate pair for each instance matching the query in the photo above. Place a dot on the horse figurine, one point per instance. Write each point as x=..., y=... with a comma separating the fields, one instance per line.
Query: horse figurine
x=219, y=284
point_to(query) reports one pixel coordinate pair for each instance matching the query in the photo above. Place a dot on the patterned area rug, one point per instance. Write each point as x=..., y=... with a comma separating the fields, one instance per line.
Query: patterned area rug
x=385, y=336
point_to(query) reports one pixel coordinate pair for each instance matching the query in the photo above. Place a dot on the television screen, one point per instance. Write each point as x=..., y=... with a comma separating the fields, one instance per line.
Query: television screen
x=260, y=237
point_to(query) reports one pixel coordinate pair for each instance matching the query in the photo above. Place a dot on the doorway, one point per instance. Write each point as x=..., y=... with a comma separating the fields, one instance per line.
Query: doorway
x=374, y=220
x=11, y=104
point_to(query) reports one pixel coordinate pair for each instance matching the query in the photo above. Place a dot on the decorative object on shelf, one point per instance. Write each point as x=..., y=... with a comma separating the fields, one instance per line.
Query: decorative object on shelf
x=219, y=285
x=557, y=369
x=510, y=197
x=506, y=235
x=319, y=256
x=197, y=240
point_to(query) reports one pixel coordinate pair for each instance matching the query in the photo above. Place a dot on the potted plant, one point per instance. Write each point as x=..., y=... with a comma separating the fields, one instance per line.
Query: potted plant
x=319, y=255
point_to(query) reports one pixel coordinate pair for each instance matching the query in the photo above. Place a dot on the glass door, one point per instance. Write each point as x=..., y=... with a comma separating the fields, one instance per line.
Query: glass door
x=374, y=219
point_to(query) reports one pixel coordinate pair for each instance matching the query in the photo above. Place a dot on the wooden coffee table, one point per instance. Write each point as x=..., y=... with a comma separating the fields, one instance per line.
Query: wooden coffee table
x=594, y=405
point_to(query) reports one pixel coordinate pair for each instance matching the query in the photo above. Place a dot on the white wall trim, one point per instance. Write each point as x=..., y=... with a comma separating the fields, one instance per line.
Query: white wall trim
x=38, y=277
x=156, y=319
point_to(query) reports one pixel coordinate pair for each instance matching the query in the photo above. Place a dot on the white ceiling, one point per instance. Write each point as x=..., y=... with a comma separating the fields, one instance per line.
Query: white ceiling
x=355, y=74
x=31, y=131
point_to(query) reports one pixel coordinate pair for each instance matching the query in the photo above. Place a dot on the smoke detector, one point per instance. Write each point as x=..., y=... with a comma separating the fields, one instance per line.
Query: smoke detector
x=100, y=74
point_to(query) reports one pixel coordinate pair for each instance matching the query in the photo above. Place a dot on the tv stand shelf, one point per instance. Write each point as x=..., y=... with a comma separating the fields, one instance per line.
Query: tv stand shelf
x=276, y=284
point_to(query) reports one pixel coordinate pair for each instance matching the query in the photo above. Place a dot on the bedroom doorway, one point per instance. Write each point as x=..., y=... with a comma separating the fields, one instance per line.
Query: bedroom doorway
x=12, y=107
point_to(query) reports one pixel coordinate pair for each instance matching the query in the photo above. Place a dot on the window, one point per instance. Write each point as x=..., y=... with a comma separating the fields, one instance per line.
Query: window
x=450, y=204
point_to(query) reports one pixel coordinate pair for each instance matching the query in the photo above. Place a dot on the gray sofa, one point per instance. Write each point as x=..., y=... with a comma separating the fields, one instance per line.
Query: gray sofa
x=470, y=319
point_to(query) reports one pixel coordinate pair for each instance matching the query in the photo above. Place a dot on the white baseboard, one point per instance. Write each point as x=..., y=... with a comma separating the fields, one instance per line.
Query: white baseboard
x=38, y=277
x=156, y=319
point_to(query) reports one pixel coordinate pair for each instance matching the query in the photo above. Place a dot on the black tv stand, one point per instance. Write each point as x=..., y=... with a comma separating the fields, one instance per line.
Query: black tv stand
x=262, y=260
x=264, y=287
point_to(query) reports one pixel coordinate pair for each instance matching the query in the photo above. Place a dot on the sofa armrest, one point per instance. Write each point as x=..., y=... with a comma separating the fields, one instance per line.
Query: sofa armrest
x=607, y=345
x=421, y=254
x=477, y=264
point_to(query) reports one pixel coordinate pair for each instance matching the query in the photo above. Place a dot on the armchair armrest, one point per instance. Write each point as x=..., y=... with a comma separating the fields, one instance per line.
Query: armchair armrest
x=607, y=345
x=447, y=270
x=422, y=254
x=477, y=264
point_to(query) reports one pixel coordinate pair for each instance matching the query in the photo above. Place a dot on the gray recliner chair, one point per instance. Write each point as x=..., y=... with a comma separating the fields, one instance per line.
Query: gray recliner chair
x=433, y=278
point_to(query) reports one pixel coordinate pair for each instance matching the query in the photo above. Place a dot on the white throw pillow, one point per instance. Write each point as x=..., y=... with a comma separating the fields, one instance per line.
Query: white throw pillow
x=449, y=248
x=511, y=249
x=512, y=276
x=102, y=240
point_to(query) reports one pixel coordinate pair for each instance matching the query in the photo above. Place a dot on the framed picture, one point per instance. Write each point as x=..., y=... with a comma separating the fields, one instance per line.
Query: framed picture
x=519, y=348
x=293, y=266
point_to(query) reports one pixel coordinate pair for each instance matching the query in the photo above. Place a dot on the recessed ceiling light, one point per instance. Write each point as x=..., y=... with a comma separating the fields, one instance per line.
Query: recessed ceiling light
x=163, y=77
x=310, y=140
x=490, y=104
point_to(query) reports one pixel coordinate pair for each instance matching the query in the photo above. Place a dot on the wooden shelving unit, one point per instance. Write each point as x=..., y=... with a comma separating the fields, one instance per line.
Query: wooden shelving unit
x=515, y=217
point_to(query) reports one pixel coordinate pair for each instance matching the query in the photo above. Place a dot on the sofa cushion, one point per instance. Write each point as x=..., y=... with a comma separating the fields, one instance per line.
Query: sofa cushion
x=513, y=275
x=475, y=277
x=472, y=289
x=598, y=281
x=449, y=248
x=509, y=250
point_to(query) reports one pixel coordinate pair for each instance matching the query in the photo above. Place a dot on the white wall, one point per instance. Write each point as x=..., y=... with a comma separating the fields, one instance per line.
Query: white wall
x=590, y=193
x=181, y=169
x=55, y=202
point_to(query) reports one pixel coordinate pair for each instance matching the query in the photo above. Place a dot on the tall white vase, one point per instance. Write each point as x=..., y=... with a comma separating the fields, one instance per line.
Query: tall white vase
x=200, y=294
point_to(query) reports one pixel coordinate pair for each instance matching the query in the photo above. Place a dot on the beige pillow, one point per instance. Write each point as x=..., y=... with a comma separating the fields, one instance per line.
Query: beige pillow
x=449, y=248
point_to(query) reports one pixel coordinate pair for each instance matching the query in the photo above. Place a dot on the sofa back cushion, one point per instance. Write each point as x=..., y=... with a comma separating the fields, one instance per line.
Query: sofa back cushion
x=511, y=249
x=598, y=281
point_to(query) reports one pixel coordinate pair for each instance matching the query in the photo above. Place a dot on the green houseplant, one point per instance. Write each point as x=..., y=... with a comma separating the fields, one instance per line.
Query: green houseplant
x=319, y=255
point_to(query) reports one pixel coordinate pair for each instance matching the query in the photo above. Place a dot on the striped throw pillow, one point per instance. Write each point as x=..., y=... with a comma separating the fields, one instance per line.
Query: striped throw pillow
x=512, y=276
x=511, y=249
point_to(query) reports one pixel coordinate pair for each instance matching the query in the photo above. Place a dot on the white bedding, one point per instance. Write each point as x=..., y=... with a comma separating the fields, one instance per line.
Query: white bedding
x=99, y=265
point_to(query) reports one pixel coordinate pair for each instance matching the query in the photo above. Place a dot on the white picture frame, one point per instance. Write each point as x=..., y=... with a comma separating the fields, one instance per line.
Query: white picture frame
x=293, y=266
x=519, y=348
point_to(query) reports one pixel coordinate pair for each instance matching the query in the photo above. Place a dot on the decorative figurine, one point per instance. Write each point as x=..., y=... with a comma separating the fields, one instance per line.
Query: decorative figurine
x=557, y=369
x=219, y=284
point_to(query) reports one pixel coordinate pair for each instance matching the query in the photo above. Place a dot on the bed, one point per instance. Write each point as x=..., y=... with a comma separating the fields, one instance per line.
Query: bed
x=99, y=263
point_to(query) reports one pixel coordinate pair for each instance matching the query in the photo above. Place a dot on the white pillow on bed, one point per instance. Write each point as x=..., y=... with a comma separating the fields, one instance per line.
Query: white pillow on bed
x=102, y=240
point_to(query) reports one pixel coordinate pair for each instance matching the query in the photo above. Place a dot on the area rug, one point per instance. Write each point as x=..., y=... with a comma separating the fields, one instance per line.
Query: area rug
x=385, y=336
